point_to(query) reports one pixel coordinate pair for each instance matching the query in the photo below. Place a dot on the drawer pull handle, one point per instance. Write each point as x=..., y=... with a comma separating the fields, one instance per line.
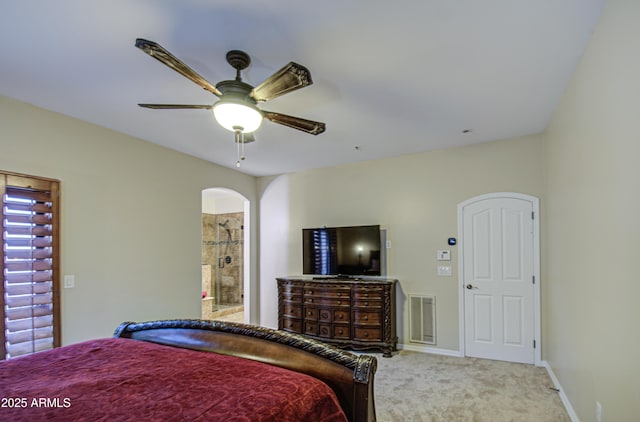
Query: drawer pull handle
x=310, y=292
x=309, y=313
x=366, y=295
x=340, y=316
x=340, y=332
x=339, y=294
x=366, y=334
x=366, y=304
x=366, y=318
x=339, y=302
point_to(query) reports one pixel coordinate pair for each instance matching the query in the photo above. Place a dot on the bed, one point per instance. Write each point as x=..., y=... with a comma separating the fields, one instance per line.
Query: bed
x=190, y=370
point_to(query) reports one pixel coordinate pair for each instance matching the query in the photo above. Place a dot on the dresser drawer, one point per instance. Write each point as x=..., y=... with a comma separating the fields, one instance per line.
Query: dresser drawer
x=292, y=297
x=324, y=330
x=367, y=317
x=340, y=316
x=290, y=287
x=311, y=328
x=291, y=290
x=367, y=292
x=324, y=315
x=367, y=334
x=291, y=310
x=327, y=301
x=327, y=289
x=310, y=314
x=341, y=331
x=293, y=325
x=367, y=304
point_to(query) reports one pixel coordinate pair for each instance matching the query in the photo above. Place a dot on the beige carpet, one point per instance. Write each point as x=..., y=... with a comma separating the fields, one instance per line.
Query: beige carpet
x=414, y=386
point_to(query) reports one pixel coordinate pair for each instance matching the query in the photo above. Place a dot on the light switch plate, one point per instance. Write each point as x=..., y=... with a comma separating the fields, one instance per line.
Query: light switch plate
x=69, y=281
x=444, y=255
x=444, y=270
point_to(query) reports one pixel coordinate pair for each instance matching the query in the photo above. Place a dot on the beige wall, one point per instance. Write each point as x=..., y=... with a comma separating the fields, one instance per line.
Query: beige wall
x=131, y=217
x=592, y=338
x=414, y=198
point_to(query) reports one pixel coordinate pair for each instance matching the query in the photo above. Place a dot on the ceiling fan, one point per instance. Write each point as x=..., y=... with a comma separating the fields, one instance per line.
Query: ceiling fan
x=237, y=109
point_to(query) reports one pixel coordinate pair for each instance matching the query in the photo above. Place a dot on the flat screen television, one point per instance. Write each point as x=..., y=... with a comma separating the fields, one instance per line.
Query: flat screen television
x=353, y=251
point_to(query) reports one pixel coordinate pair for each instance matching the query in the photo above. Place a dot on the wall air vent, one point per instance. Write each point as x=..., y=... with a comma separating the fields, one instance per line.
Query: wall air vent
x=422, y=319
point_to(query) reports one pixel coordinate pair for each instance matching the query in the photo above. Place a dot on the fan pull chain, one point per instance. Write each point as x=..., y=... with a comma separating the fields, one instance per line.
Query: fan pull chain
x=242, y=157
x=239, y=145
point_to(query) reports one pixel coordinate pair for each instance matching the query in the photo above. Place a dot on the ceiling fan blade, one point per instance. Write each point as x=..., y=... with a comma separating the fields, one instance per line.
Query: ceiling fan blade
x=291, y=77
x=158, y=52
x=174, y=106
x=309, y=126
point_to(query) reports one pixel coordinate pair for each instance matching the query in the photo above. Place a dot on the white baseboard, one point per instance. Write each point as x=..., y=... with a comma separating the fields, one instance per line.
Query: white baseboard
x=563, y=397
x=426, y=349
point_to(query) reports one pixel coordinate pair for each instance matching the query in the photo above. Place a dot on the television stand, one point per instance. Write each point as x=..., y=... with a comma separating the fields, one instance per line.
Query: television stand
x=356, y=313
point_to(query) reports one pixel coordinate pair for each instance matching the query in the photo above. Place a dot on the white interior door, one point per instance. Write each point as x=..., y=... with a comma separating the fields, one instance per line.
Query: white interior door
x=498, y=279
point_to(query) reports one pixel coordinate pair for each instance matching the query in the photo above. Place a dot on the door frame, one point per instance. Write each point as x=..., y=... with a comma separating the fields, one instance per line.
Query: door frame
x=536, y=267
x=249, y=300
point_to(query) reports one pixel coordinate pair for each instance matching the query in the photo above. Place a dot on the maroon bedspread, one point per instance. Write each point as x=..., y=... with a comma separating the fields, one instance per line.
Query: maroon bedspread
x=121, y=379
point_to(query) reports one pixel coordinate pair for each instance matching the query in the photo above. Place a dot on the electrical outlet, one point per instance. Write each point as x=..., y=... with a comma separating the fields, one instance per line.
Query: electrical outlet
x=444, y=271
x=598, y=412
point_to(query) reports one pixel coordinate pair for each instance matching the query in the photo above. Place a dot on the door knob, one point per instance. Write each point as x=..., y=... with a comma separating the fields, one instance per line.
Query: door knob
x=469, y=286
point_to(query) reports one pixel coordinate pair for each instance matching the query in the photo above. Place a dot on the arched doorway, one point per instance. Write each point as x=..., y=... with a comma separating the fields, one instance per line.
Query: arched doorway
x=225, y=260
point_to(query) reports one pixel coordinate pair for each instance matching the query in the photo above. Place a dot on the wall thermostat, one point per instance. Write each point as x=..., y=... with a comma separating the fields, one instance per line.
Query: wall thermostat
x=452, y=241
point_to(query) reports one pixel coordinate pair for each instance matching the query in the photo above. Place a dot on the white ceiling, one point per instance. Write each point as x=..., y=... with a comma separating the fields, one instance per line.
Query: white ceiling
x=390, y=78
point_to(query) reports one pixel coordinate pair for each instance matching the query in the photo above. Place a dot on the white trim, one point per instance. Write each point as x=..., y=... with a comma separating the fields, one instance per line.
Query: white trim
x=432, y=350
x=563, y=397
x=246, y=271
x=535, y=203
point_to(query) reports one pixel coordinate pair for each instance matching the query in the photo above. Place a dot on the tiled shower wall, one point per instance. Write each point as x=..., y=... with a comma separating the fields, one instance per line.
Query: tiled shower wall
x=224, y=254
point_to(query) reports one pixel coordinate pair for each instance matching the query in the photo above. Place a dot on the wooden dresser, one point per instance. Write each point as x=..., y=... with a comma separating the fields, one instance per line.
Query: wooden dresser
x=355, y=312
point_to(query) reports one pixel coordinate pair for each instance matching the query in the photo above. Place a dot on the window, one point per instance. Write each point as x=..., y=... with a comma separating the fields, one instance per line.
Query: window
x=324, y=248
x=30, y=304
x=321, y=248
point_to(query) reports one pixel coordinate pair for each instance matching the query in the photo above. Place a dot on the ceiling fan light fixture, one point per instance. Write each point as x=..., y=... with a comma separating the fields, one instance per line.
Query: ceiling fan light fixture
x=237, y=110
x=232, y=115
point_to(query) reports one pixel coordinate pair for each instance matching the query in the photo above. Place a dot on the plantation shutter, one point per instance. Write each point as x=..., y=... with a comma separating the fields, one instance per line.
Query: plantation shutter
x=333, y=251
x=325, y=245
x=320, y=249
x=30, y=294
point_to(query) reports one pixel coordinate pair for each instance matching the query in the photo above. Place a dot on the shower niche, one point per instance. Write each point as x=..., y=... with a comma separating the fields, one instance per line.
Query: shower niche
x=222, y=264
